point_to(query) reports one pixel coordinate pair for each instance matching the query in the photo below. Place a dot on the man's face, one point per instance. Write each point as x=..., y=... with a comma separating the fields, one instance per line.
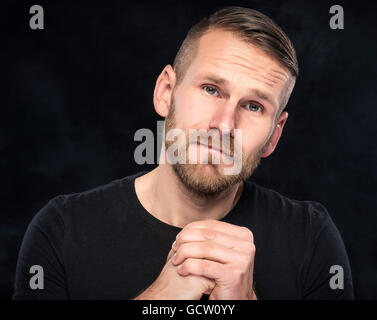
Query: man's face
x=229, y=85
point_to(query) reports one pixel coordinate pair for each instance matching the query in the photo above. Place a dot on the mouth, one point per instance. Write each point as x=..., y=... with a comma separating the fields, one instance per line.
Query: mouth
x=211, y=147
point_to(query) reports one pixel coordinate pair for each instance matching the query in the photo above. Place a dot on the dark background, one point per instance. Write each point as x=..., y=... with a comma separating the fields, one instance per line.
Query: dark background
x=74, y=94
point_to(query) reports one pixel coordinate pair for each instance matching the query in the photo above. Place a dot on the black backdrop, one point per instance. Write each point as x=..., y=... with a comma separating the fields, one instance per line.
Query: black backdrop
x=74, y=94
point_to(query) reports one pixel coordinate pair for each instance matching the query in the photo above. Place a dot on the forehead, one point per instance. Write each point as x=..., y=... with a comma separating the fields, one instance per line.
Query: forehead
x=225, y=53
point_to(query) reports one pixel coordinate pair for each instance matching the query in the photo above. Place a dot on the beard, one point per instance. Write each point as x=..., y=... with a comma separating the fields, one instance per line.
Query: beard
x=209, y=182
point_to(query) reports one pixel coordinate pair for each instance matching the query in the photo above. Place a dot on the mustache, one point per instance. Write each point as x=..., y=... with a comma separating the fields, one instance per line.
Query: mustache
x=222, y=143
x=228, y=153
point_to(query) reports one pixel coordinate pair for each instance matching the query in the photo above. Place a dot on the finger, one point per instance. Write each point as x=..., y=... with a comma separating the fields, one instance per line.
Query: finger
x=204, y=268
x=221, y=226
x=211, y=251
x=217, y=237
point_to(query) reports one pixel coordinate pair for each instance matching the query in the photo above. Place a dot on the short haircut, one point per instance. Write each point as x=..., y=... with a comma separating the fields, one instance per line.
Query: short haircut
x=251, y=26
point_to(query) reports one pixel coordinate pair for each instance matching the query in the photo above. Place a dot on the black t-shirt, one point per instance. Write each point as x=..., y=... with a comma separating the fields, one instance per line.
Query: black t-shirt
x=103, y=244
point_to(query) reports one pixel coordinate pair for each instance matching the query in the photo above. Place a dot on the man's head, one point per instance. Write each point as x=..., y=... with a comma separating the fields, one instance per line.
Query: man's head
x=234, y=70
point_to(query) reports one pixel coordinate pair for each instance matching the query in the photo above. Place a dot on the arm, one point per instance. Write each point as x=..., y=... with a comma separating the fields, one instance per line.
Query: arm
x=325, y=250
x=42, y=246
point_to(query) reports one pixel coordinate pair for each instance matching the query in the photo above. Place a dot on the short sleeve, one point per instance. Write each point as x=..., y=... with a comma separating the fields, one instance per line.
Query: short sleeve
x=42, y=246
x=326, y=272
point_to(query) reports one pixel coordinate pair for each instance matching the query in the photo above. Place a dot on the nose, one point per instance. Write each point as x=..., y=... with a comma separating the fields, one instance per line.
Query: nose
x=224, y=119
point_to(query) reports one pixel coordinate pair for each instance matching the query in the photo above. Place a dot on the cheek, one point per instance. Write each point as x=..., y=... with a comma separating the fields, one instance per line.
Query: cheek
x=192, y=109
x=255, y=136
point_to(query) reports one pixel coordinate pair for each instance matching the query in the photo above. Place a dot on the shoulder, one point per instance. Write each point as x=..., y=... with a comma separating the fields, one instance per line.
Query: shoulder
x=62, y=209
x=272, y=206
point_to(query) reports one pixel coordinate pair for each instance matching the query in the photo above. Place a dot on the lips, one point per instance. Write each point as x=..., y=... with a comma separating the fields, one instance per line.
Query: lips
x=210, y=147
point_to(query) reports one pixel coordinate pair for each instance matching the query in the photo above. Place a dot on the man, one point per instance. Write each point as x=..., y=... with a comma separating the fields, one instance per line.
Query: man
x=189, y=230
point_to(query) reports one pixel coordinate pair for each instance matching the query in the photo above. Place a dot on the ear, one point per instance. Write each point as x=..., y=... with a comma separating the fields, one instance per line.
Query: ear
x=163, y=91
x=278, y=130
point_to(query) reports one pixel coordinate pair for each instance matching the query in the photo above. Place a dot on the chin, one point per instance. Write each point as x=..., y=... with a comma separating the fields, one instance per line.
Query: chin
x=204, y=179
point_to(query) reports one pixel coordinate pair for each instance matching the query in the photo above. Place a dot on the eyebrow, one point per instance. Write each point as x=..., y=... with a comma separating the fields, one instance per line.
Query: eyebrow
x=221, y=81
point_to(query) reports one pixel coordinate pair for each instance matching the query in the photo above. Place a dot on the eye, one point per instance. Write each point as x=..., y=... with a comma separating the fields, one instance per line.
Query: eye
x=211, y=90
x=253, y=107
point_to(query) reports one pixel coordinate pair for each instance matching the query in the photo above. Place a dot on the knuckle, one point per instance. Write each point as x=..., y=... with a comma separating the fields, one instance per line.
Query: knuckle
x=253, y=249
x=181, y=236
x=187, y=266
x=249, y=250
x=248, y=234
x=244, y=246
x=183, y=267
x=208, y=234
x=183, y=250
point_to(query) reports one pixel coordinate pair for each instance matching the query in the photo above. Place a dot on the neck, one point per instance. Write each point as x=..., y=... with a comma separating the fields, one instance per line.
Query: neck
x=164, y=196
